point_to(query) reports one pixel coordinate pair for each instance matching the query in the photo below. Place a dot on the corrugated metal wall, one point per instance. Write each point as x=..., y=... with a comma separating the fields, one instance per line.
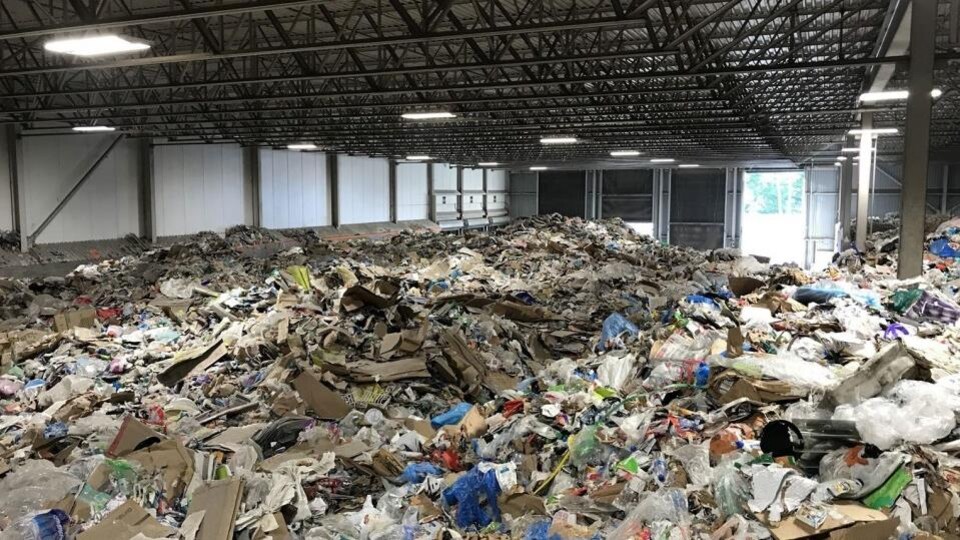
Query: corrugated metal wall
x=198, y=188
x=823, y=185
x=628, y=194
x=523, y=194
x=363, y=189
x=294, y=189
x=105, y=207
x=697, y=198
x=413, y=200
x=562, y=192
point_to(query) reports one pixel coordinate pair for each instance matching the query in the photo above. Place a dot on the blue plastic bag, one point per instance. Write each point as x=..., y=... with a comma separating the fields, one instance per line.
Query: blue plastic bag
x=541, y=531
x=807, y=295
x=941, y=248
x=466, y=492
x=414, y=473
x=450, y=417
x=613, y=327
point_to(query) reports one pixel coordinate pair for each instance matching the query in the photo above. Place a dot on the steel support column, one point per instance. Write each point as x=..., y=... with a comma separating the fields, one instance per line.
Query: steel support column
x=916, y=150
x=865, y=173
x=18, y=195
x=432, y=209
x=333, y=182
x=843, y=202
x=254, y=178
x=392, y=180
x=944, y=188
x=32, y=238
x=145, y=188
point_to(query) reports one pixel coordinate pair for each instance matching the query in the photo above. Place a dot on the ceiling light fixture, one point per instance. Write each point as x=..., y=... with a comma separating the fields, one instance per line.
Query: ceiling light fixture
x=95, y=45
x=850, y=150
x=688, y=165
x=302, y=146
x=538, y=168
x=487, y=164
x=93, y=129
x=624, y=153
x=434, y=115
x=894, y=95
x=838, y=164
x=418, y=158
x=662, y=160
x=558, y=140
x=875, y=131
x=841, y=158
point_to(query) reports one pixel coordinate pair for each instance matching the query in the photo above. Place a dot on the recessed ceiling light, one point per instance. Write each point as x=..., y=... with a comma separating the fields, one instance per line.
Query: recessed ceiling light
x=418, y=158
x=893, y=95
x=95, y=45
x=874, y=131
x=688, y=165
x=430, y=115
x=302, y=146
x=624, y=153
x=538, y=168
x=93, y=129
x=487, y=164
x=662, y=160
x=558, y=140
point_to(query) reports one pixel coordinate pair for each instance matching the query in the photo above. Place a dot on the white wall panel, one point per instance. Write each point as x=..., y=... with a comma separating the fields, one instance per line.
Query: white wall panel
x=473, y=179
x=444, y=177
x=293, y=189
x=363, y=189
x=105, y=207
x=198, y=188
x=6, y=193
x=412, y=198
x=496, y=180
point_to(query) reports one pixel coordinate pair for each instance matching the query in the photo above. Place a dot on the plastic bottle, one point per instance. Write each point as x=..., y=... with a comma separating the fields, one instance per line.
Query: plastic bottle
x=749, y=445
x=659, y=470
x=702, y=375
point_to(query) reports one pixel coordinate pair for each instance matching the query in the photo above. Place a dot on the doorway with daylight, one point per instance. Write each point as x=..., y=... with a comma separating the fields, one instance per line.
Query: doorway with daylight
x=774, y=221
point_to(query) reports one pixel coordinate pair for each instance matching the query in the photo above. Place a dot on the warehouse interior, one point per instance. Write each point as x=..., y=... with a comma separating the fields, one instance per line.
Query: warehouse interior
x=606, y=187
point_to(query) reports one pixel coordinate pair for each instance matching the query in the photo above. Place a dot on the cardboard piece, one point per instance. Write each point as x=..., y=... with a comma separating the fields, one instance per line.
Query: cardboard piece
x=472, y=425
x=192, y=362
x=133, y=435
x=277, y=529
x=840, y=516
x=868, y=531
x=734, y=342
x=367, y=371
x=126, y=521
x=324, y=403
x=741, y=286
x=220, y=502
x=403, y=343
x=383, y=295
x=84, y=317
x=521, y=312
x=730, y=386
x=521, y=504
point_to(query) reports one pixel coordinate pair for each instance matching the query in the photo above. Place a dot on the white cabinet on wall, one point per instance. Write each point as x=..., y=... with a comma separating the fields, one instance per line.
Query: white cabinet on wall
x=413, y=201
x=363, y=185
x=106, y=205
x=496, y=197
x=198, y=188
x=446, y=196
x=294, y=189
x=471, y=199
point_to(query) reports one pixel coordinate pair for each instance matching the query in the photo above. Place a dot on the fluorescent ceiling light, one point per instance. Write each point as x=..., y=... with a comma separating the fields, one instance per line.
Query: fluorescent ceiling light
x=487, y=164
x=302, y=146
x=538, y=168
x=93, y=129
x=95, y=45
x=435, y=115
x=838, y=164
x=662, y=160
x=893, y=95
x=418, y=158
x=688, y=165
x=850, y=150
x=622, y=153
x=841, y=158
x=558, y=140
x=875, y=131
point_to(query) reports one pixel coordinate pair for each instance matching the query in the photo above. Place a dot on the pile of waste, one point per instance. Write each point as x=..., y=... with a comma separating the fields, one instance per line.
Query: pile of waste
x=555, y=379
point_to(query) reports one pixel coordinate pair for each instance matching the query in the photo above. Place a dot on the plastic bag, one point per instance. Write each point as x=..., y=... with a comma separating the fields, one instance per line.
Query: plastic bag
x=451, y=417
x=616, y=371
x=809, y=294
x=415, y=473
x=904, y=298
x=615, y=326
x=46, y=525
x=696, y=462
x=730, y=489
x=662, y=505
x=466, y=493
x=586, y=447
x=942, y=248
x=31, y=485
